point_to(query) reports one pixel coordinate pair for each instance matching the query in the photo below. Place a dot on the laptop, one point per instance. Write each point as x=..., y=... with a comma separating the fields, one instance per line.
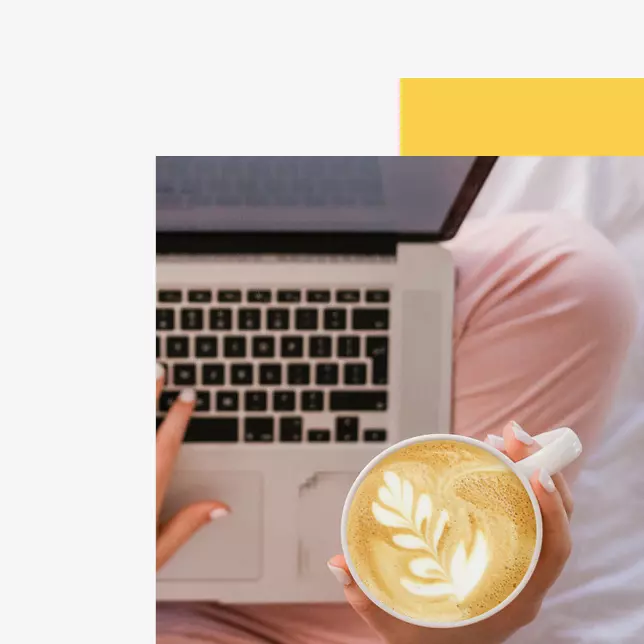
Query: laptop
x=308, y=302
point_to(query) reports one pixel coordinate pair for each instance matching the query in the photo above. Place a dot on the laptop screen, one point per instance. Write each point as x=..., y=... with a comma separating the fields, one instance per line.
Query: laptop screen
x=400, y=195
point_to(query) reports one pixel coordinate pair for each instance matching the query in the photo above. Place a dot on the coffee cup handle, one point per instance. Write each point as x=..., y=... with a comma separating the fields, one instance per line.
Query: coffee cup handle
x=559, y=448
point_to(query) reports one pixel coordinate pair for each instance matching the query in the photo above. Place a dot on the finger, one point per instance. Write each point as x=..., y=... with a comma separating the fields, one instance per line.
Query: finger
x=380, y=621
x=184, y=524
x=169, y=438
x=557, y=543
x=565, y=493
x=495, y=441
x=160, y=379
x=519, y=445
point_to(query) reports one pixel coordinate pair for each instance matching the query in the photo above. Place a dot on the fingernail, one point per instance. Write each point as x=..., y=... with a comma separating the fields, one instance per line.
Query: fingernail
x=339, y=574
x=187, y=396
x=218, y=513
x=160, y=371
x=546, y=482
x=521, y=435
x=496, y=441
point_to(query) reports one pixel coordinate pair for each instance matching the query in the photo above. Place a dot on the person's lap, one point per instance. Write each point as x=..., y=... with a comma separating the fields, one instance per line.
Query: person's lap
x=543, y=316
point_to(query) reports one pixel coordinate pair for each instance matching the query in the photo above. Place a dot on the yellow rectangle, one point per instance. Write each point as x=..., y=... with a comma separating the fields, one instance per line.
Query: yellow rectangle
x=521, y=116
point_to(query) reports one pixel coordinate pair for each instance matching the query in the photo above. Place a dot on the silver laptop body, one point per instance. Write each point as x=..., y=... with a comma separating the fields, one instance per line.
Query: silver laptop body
x=309, y=303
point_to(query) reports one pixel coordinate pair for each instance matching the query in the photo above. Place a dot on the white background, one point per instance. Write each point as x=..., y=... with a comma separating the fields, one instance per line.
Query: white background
x=91, y=92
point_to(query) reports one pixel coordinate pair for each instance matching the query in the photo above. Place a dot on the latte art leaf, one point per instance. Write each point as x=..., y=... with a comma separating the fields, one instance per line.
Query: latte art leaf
x=466, y=571
x=424, y=567
x=440, y=527
x=392, y=480
x=434, y=577
x=387, y=518
x=409, y=541
x=423, y=511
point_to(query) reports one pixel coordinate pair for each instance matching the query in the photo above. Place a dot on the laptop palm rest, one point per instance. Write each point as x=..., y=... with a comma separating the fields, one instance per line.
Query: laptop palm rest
x=207, y=556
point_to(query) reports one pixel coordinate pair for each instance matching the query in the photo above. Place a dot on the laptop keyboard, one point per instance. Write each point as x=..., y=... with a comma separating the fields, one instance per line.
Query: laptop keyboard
x=188, y=182
x=277, y=365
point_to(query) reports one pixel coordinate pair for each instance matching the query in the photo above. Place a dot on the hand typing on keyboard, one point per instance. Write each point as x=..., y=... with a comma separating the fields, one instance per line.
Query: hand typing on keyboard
x=175, y=532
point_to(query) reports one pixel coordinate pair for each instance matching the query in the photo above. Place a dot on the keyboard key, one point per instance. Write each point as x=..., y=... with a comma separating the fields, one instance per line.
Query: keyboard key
x=176, y=346
x=241, y=374
x=367, y=319
x=249, y=319
x=169, y=296
x=320, y=346
x=263, y=347
x=165, y=319
x=202, y=402
x=377, y=296
x=306, y=319
x=283, y=401
x=289, y=296
x=229, y=296
x=191, y=319
x=355, y=373
x=212, y=430
x=184, y=374
x=327, y=374
x=319, y=435
x=335, y=319
x=258, y=430
x=227, y=401
x=278, y=319
x=358, y=400
x=299, y=374
x=206, y=346
x=349, y=346
x=212, y=374
x=312, y=401
x=200, y=296
x=158, y=347
x=255, y=401
x=235, y=346
x=347, y=296
x=346, y=428
x=318, y=296
x=375, y=435
x=166, y=400
x=292, y=347
x=290, y=429
x=270, y=374
x=259, y=296
x=378, y=350
x=221, y=319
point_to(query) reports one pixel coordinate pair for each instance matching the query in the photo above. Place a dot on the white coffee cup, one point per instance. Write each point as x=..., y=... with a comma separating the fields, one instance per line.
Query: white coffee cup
x=560, y=447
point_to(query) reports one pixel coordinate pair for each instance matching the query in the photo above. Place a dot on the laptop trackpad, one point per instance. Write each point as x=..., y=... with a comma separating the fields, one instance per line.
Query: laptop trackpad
x=207, y=554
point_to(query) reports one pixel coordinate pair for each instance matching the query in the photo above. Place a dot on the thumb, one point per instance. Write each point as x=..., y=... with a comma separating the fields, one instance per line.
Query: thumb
x=184, y=524
x=360, y=602
x=374, y=616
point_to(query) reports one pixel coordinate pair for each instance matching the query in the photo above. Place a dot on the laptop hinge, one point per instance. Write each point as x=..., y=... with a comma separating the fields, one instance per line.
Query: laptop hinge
x=276, y=244
x=281, y=258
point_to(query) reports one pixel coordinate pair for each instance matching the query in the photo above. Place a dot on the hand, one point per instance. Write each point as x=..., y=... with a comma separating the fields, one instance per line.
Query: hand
x=556, y=507
x=173, y=534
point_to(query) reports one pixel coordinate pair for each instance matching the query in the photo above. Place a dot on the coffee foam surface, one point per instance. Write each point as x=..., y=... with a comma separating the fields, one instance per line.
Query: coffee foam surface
x=441, y=531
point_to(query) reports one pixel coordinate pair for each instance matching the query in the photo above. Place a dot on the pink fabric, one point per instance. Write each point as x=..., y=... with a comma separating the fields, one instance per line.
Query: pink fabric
x=544, y=315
